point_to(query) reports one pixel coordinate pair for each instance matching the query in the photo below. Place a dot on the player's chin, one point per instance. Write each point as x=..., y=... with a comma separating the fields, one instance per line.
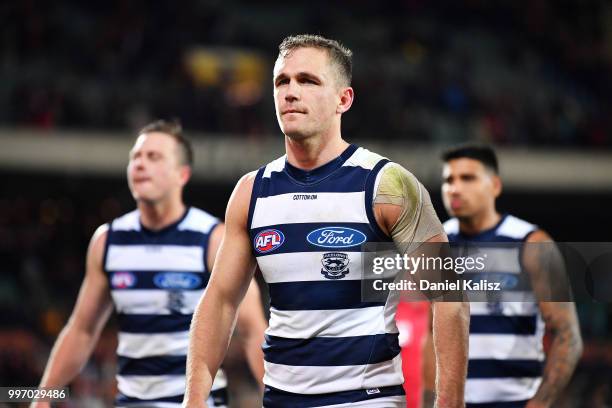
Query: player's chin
x=141, y=194
x=294, y=133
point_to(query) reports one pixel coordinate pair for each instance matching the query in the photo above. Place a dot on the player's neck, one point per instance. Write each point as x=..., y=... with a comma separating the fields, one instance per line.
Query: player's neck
x=479, y=223
x=313, y=152
x=156, y=216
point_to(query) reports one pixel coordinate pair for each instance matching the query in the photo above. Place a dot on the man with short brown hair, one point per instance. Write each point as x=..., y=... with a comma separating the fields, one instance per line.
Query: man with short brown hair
x=151, y=265
x=302, y=220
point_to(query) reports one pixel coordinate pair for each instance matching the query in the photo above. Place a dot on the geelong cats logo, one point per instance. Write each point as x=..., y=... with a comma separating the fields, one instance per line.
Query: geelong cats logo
x=335, y=265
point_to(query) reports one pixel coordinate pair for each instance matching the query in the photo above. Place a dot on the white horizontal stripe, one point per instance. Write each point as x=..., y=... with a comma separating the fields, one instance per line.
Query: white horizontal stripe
x=500, y=259
x=363, y=158
x=451, y=226
x=127, y=222
x=197, y=220
x=500, y=389
x=220, y=381
x=155, y=258
x=514, y=227
x=321, y=380
x=328, y=207
x=304, y=266
x=135, y=345
x=527, y=308
x=152, y=405
x=391, y=310
x=305, y=324
x=275, y=166
x=151, y=386
x=398, y=401
x=506, y=347
x=159, y=386
x=152, y=301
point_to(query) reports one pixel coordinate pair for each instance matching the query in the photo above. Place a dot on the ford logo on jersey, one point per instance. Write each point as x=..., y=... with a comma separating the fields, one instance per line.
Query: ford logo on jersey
x=177, y=280
x=268, y=240
x=123, y=280
x=336, y=237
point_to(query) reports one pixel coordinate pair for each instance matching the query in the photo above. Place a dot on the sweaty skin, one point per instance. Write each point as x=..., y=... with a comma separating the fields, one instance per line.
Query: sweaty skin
x=418, y=221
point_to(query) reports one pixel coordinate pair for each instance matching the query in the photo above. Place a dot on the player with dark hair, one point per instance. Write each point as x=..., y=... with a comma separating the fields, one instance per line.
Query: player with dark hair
x=507, y=366
x=302, y=220
x=151, y=265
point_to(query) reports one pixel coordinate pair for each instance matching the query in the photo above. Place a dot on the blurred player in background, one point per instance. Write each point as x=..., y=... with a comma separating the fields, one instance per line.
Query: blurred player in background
x=506, y=366
x=152, y=265
x=302, y=219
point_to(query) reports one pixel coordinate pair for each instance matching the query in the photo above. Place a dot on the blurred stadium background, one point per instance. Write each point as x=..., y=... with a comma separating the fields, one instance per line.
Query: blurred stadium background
x=79, y=78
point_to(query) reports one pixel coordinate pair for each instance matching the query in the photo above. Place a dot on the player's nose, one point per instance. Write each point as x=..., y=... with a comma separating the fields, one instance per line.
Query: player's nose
x=293, y=91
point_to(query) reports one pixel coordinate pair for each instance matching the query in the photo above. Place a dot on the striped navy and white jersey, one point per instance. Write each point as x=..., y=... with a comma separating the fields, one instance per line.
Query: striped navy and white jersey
x=506, y=354
x=324, y=346
x=156, y=279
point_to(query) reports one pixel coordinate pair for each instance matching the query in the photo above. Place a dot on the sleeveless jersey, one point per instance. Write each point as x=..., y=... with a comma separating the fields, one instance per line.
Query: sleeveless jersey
x=324, y=345
x=156, y=279
x=506, y=352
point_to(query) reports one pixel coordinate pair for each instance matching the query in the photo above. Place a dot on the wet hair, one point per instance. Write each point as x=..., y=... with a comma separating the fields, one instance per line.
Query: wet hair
x=174, y=129
x=339, y=55
x=483, y=153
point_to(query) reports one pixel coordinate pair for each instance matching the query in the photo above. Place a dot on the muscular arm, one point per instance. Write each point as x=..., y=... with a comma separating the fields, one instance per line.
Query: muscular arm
x=93, y=307
x=562, y=324
x=403, y=210
x=251, y=322
x=215, y=315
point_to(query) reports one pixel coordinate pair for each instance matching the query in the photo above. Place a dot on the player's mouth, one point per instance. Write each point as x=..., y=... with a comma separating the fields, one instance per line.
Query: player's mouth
x=287, y=111
x=456, y=203
x=139, y=180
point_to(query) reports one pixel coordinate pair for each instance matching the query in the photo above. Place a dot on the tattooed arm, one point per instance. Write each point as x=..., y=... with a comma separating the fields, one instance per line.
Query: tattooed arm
x=561, y=323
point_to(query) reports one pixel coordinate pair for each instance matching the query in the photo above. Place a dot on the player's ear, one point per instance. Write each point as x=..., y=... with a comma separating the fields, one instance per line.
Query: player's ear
x=347, y=95
x=184, y=174
x=497, y=185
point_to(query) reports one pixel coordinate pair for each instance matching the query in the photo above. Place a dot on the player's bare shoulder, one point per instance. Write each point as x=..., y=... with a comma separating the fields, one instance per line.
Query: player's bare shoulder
x=238, y=205
x=98, y=240
x=95, y=252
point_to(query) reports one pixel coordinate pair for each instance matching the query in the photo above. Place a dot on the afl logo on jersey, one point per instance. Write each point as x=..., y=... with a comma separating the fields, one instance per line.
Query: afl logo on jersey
x=268, y=240
x=336, y=237
x=177, y=280
x=123, y=280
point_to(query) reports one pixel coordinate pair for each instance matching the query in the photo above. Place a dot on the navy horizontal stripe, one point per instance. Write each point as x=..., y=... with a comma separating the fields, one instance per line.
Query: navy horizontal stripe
x=219, y=397
x=141, y=323
x=165, y=280
x=498, y=404
x=318, y=295
x=346, y=179
x=490, y=368
x=296, y=237
x=275, y=398
x=498, y=324
x=159, y=365
x=176, y=237
x=331, y=351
